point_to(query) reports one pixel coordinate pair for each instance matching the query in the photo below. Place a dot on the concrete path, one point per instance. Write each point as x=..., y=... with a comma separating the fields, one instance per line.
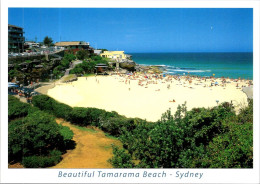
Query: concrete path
x=72, y=66
x=248, y=91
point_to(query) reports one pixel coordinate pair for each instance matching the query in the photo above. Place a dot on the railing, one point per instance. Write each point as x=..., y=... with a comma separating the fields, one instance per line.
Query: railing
x=40, y=53
x=15, y=36
x=16, y=41
x=15, y=31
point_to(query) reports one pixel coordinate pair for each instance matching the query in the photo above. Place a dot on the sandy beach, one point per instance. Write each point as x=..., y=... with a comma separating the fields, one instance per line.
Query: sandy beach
x=148, y=96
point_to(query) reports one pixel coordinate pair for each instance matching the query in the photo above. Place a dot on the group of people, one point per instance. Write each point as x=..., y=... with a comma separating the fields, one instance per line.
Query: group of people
x=22, y=93
x=185, y=80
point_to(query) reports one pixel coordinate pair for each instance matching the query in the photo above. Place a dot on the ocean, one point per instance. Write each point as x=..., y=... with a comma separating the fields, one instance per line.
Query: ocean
x=232, y=65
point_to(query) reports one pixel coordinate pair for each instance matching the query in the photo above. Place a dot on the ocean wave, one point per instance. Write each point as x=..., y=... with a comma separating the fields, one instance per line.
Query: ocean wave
x=161, y=65
x=170, y=69
x=190, y=71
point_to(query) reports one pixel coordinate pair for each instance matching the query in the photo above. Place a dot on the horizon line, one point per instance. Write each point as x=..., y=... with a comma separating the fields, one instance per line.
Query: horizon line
x=194, y=52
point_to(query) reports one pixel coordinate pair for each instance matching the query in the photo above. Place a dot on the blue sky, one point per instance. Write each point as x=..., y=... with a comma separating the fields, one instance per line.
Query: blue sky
x=141, y=30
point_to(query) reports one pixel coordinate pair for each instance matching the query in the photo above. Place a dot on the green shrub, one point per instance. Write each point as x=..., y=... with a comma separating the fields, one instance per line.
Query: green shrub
x=48, y=104
x=121, y=158
x=52, y=159
x=66, y=132
x=113, y=125
x=61, y=110
x=33, y=109
x=82, y=54
x=16, y=108
x=79, y=116
x=43, y=102
x=199, y=138
x=234, y=147
x=37, y=133
x=90, y=116
x=246, y=113
x=70, y=57
x=12, y=98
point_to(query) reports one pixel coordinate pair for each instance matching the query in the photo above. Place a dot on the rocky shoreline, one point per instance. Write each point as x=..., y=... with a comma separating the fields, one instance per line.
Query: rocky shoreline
x=131, y=66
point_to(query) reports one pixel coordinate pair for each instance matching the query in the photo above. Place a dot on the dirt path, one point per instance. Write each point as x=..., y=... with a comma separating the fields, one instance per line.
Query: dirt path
x=93, y=148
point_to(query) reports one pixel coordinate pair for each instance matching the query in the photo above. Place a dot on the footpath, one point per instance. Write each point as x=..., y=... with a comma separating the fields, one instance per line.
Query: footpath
x=93, y=148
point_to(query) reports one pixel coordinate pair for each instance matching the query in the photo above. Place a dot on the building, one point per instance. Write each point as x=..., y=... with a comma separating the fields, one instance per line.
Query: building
x=115, y=55
x=32, y=44
x=75, y=46
x=97, y=52
x=101, y=68
x=15, y=39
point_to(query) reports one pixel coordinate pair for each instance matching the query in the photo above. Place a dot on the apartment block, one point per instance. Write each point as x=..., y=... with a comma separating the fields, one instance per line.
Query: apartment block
x=15, y=39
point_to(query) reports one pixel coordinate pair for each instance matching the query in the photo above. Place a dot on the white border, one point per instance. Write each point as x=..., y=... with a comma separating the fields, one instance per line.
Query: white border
x=50, y=175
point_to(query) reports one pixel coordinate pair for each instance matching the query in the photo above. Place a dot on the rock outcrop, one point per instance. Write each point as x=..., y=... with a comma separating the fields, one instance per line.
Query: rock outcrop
x=128, y=65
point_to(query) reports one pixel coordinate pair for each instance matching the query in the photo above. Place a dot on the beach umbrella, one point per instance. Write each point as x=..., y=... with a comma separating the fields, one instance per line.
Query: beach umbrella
x=217, y=101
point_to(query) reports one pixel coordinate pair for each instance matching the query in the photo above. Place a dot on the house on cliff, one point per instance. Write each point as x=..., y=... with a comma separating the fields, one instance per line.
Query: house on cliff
x=75, y=46
x=115, y=55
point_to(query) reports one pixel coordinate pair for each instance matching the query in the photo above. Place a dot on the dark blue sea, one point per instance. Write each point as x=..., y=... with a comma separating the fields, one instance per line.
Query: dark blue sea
x=232, y=65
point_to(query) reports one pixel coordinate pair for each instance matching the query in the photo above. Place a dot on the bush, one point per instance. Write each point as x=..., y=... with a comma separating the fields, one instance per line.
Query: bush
x=16, y=108
x=52, y=159
x=246, y=114
x=65, y=63
x=82, y=54
x=113, y=125
x=61, y=110
x=37, y=133
x=36, y=139
x=66, y=132
x=199, y=138
x=48, y=104
x=121, y=158
x=69, y=57
x=43, y=102
x=79, y=116
x=233, y=148
x=91, y=116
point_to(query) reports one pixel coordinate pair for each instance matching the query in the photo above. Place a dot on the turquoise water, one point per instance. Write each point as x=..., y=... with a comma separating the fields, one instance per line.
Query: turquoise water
x=232, y=65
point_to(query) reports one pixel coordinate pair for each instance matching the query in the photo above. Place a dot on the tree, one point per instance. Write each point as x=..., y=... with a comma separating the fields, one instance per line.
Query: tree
x=82, y=54
x=47, y=41
x=102, y=50
x=69, y=57
x=200, y=138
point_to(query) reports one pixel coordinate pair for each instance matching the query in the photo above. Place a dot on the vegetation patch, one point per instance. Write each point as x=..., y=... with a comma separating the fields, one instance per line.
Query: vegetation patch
x=85, y=129
x=35, y=140
x=200, y=138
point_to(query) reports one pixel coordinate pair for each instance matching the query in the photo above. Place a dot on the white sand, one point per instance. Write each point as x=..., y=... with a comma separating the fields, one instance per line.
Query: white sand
x=113, y=94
